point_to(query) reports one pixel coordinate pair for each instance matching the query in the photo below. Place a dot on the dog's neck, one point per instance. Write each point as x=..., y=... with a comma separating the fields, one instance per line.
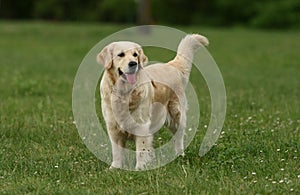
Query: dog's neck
x=122, y=87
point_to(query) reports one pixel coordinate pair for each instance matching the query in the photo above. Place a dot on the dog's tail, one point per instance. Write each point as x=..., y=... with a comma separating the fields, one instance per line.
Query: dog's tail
x=185, y=53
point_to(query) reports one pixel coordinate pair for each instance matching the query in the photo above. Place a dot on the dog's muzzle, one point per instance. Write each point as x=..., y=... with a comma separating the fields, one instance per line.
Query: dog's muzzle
x=130, y=73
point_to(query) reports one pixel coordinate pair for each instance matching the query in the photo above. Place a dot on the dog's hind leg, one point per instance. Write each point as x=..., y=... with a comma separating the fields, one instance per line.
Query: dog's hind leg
x=176, y=122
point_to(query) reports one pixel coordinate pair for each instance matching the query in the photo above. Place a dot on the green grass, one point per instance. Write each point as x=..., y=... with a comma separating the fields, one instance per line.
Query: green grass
x=42, y=153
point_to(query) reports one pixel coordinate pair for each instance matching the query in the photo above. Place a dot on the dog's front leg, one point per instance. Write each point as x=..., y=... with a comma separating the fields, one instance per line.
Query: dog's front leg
x=144, y=151
x=118, y=158
x=118, y=145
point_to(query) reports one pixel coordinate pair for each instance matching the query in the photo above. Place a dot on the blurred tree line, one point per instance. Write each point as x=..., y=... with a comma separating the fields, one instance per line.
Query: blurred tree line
x=256, y=13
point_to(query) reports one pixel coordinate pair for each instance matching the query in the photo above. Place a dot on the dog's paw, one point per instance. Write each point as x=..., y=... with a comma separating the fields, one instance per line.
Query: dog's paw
x=140, y=167
x=145, y=160
x=115, y=165
x=181, y=154
x=112, y=168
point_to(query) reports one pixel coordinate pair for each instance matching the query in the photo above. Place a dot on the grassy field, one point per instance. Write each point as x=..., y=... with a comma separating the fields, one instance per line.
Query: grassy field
x=41, y=152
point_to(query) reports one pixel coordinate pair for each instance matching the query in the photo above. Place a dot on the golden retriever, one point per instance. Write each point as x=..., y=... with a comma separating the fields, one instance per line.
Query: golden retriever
x=137, y=101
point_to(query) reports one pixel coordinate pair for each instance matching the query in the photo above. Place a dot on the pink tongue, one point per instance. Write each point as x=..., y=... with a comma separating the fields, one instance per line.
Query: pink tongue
x=131, y=78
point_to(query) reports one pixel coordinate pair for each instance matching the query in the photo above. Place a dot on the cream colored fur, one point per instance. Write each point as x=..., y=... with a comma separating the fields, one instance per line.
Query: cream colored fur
x=136, y=111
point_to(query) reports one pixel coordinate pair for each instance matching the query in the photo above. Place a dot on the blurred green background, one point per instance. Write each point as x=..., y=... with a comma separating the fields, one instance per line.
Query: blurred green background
x=255, y=13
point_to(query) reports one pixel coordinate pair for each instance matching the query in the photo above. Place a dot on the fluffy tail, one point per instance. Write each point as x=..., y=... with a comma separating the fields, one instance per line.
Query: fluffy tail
x=185, y=54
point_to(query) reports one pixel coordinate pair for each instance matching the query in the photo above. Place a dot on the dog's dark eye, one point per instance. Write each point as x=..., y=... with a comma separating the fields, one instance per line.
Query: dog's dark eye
x=135, y=54
x=121, y=54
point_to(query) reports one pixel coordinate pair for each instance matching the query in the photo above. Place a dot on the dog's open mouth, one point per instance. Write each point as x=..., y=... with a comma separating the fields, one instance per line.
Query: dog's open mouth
x=129, y=76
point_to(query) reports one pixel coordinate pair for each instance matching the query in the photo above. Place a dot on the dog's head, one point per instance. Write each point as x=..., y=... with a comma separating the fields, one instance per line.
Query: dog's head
x=123, y=59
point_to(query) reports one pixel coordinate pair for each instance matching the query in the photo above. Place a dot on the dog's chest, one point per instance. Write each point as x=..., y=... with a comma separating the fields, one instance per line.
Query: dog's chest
x=138, y=96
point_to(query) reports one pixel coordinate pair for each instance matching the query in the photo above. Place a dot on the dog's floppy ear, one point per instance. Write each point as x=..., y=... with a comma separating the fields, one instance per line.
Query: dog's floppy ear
x=105, y=57
x=143, y=59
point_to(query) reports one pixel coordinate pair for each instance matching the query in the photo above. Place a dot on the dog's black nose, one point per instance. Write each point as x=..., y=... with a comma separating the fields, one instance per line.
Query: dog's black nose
x=132, y=63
